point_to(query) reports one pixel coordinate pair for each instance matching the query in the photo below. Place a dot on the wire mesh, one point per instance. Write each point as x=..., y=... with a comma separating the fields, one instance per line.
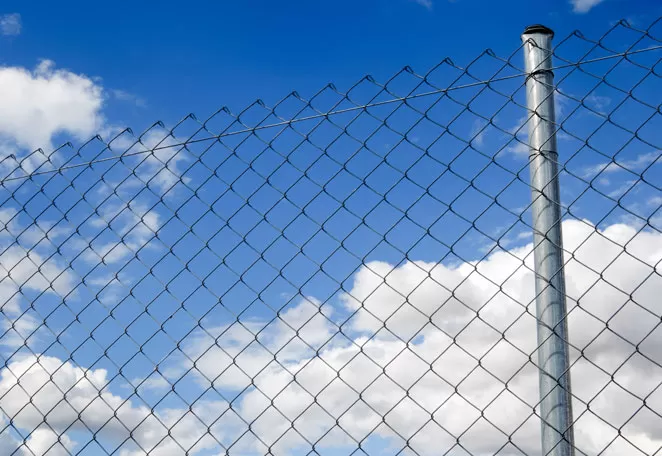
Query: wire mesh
x=349, y=273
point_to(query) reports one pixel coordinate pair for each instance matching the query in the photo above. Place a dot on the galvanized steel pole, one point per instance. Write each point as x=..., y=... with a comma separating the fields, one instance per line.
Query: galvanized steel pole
x=555, y=398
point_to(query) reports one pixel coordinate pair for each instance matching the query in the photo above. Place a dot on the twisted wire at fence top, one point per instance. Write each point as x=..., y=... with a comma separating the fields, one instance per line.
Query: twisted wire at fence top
x=127, y=154
x=363, y=222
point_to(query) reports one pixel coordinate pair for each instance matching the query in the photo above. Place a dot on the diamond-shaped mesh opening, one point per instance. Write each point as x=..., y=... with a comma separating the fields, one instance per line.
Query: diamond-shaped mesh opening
x=367, y=271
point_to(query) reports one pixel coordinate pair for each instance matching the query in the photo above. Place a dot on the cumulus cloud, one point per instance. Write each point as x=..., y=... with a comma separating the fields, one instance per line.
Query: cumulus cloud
x=24, y=271
x=432, y=356
x=426, y=341
x=46, y=103
x=10, y=24
x=42, y=441
x=40, y=103
x=584, y=6
x=47, y=442
x=46, y=395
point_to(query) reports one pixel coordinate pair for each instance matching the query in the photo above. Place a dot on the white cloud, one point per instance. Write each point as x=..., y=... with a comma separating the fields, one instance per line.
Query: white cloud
x=133, y=224
x=425, y=3
x=584, y=6
x=655, y=201
x=478, y=132
x=17, y=330
x=28, y=269
x=24, y=268
x=10, y=24
x=598, y=102
x=637, y=163
x=21, y=272
x=46, y=389
x=519, y=149
x=123, y=95
x=44, y=441
x=280, y=336
x=519, y=145
x=525, y=235
x=40, y=103
x=621, y=190
x=159, y=165
x=434, y=306
x=455, y=365
x=152, y=383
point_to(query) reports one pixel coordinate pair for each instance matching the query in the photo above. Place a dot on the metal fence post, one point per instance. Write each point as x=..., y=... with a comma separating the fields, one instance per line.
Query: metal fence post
x=554, y=376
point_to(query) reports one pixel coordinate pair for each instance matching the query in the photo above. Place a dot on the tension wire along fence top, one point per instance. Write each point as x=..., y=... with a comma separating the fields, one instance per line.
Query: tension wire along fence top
x=371, y=271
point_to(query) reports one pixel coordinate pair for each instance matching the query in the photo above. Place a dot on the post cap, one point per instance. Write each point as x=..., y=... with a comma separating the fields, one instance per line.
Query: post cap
x=538, y=28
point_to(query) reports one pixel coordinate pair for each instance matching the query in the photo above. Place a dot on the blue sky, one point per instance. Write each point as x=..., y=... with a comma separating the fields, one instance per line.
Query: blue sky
x=231, y=53
x=265, y=255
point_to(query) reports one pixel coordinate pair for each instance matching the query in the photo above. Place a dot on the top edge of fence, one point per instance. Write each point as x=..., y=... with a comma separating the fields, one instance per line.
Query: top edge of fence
x=113, y=142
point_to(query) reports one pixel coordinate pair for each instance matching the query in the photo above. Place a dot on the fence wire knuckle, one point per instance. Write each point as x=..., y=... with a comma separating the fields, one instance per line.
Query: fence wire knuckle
x=464, y=261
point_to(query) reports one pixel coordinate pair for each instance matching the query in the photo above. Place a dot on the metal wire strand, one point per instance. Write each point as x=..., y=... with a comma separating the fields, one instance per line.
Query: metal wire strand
x=351, y=272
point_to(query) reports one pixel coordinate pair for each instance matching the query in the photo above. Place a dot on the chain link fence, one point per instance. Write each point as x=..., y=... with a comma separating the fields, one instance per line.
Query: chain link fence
x=353, y=273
